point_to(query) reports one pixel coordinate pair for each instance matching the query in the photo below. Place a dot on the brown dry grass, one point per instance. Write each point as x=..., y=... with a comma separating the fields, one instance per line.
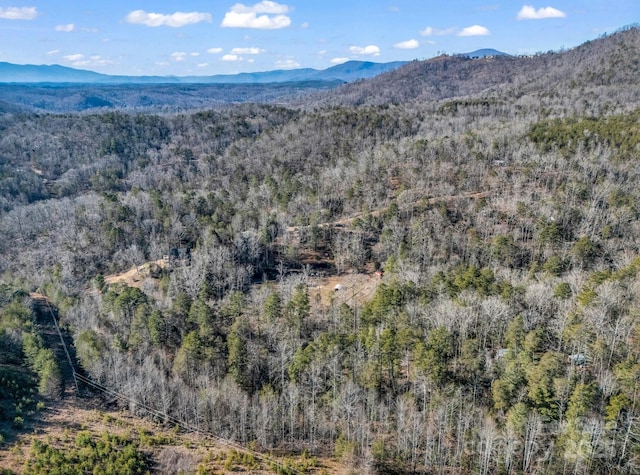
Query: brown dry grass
x=169, y=450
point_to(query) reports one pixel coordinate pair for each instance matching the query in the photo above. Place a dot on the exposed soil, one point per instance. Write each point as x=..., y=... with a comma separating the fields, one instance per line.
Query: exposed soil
x=352, y=289
x=136, y=275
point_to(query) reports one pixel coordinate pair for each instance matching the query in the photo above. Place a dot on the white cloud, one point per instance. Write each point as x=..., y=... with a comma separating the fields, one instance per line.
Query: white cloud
x=430, y=31
x=370, y=49
x=409, y=44
x=181, y=55
x=265, y=6
x=93, y=61
x=287, y=64
x=73, y=57
x=231, y=57
x=214, y=50
x=527, y=12
x=80, y=60
x=53, y=52
x=175, y=20
x=339, y=60
x=265, y=15
x=203, y=65
x=66, y=28
x=475, y=30
x=247, y=51
x=18, y=13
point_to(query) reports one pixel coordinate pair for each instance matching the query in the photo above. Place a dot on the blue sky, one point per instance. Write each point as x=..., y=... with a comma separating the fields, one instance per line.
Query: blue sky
x=205, y=37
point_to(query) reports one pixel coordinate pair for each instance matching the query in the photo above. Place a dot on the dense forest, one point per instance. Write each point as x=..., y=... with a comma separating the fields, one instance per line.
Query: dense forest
x=433, y=271
x=64, y=97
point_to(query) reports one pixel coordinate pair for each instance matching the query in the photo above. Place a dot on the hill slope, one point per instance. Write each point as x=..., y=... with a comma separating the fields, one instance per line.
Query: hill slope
x=612, y=60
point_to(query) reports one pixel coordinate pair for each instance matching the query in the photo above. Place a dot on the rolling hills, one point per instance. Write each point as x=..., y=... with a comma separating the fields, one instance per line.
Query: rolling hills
x=478, y=221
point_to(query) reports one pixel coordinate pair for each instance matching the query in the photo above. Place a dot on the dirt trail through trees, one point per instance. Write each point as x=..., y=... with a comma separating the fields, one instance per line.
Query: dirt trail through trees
x=53, y=338
x=349, y=220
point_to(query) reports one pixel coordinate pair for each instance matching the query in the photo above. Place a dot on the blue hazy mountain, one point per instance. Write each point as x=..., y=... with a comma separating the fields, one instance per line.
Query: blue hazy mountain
x=46, y=73
x=483, y=53
x=347, y=72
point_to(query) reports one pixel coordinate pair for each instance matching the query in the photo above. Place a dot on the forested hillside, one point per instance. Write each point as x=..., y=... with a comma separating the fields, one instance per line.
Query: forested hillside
x=154, y=98
x=480, y=218
x=566, y=80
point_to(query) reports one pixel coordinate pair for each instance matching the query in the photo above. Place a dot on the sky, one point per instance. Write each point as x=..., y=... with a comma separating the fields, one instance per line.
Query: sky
x=208, y=37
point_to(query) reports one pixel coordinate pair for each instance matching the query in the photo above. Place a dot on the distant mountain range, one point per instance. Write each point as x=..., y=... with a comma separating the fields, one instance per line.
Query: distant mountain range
x=346, y=72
